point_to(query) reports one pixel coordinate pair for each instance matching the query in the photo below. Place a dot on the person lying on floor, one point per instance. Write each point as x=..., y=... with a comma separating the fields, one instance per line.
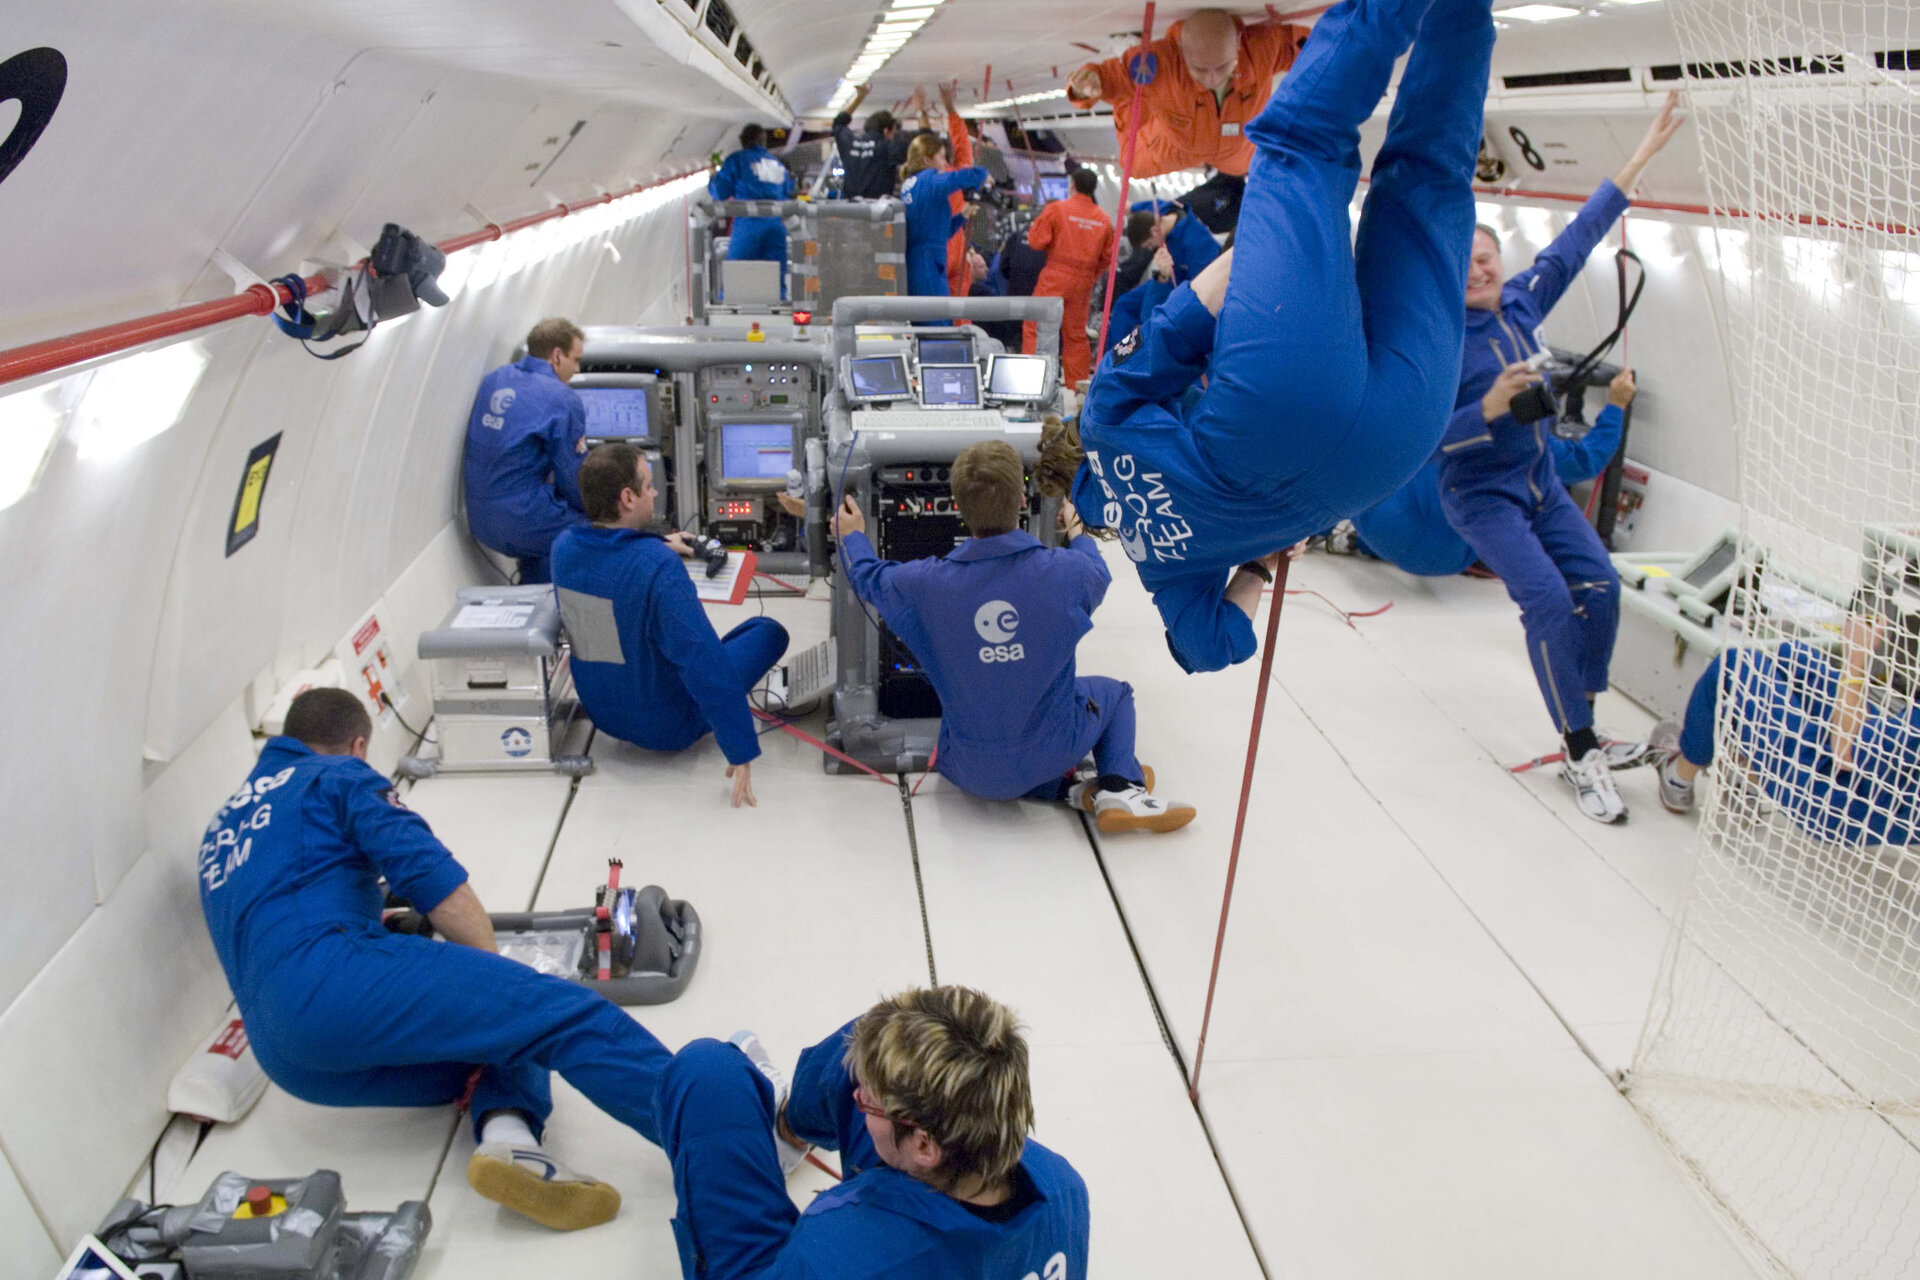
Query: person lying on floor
x=1805, y=724
x=646, y=662
x=342, y=1013
x=926, y=1097
x=995, y=624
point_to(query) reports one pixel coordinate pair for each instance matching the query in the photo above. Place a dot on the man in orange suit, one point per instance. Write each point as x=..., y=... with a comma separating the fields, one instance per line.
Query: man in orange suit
x=1077, y=236
x=1204, y=81
x=959, y=156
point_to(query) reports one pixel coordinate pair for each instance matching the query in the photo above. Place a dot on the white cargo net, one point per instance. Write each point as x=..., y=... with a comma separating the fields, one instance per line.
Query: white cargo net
x=1781, y=1054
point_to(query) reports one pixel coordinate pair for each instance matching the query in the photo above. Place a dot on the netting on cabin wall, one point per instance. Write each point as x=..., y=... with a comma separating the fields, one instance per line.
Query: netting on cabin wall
x=1781, y=1055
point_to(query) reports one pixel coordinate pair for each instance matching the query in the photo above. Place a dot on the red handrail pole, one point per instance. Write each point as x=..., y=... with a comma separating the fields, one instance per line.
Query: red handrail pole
x=257, y=300
x=1126, y=176
x=1240, y=822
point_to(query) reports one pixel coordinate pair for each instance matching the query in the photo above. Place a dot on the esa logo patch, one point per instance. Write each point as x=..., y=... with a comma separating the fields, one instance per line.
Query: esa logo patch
x=1126, y=347
x=497, y=406
x=996, y=621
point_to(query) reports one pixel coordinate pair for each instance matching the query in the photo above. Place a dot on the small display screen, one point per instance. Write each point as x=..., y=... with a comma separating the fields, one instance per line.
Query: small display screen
x=946, y=351
x=1716, y=563
x=756, y=450
x=950, y=386
x=1018, y=377
x=616, y=413
x=878, y=377
x=1053, y=186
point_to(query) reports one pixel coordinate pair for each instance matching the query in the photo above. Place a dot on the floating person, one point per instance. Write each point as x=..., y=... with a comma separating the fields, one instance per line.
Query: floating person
x=647, y=664
x=1329, y=364
x=995, y=625
x=1499, y=491
x=525, y=438
x=1199, y=87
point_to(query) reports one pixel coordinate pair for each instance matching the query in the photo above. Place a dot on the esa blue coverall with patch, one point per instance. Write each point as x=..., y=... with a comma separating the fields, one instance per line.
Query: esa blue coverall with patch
x=1782, y=706
x=737, y=1222
x=931, y=222
x=343, y=1013
x=1499, y=491
x=995, y=624
x=525, y=439
x=1410, y=530
x=755, y=173
x=1192, y=247
x=1329, y=367
x=670, y=680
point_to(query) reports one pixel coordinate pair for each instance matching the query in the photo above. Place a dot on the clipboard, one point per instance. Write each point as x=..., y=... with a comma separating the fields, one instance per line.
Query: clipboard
x=729, y=586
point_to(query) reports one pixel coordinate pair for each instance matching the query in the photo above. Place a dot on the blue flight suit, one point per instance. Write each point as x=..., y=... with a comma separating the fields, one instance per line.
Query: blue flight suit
x=931, y=222
x=755, y=173
x=737, y=1221
x=1498, y=490
x=1328, y=368
x=525, y=439
x=654, y=673
x=341, y=1012
x=1783, y=700
x=1410, y=531
x=1191, y=247
x=995, y=624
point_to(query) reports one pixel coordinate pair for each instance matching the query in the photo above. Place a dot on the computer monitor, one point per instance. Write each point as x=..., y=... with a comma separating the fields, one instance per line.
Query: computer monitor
x=1018, y=378
x=946, y=351
x=1054, y=186
x=871, y=378
x=950, y=386
x=755, y=454
x=617, y=413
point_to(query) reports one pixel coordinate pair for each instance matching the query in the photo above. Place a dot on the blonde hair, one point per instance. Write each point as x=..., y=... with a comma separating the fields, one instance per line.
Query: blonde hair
x=951, y=1062
x=923, y=152
x=1060, y=457
x=989, y=487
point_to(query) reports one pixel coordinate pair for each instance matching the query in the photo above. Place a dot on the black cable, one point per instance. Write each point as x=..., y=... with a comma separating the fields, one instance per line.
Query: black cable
x=419, y=735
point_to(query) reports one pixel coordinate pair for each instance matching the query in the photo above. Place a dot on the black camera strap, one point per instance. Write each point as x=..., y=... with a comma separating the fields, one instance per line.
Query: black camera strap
x=1609, y=482
x=1627, y=302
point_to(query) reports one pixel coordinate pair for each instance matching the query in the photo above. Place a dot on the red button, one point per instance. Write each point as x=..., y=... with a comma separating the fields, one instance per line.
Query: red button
x=260, y=1200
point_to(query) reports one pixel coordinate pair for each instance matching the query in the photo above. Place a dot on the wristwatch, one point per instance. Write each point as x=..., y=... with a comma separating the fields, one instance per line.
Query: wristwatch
x=1258, y=570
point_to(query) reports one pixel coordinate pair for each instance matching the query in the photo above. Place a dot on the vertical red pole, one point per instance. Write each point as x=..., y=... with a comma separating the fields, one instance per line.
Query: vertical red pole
x=1017, y=120
x=1240, y=822
x=1126, y=181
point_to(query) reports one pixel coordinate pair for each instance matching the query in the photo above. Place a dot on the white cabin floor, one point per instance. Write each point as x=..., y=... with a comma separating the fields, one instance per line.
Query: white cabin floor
x=1429, y=964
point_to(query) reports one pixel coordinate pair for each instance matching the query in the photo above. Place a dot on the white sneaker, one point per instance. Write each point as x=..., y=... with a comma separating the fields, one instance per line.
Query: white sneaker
x=1675, y=792
x=1593, y=787
x=1343, y=540
x=749, y=1043
x=1129, y=809
x=528, y=1180
x=1630, y=755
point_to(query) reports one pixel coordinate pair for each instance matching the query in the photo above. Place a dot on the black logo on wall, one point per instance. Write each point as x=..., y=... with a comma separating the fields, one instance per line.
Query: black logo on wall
x=35, y=79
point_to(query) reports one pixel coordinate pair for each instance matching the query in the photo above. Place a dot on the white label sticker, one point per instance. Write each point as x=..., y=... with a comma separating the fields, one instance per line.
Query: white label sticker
x=1229, y=128
x=475, y=617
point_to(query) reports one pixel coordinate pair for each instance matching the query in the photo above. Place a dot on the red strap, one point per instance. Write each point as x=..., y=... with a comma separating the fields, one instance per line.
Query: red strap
x=1126, y=173
x=812, y=741
x=932, y=761
x=1240, y=821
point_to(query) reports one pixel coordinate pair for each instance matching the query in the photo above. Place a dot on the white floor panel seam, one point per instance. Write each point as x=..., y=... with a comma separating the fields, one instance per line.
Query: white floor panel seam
x=1454, y=890
x=1172, y=1046
x=1559, y=813
x=919, y=881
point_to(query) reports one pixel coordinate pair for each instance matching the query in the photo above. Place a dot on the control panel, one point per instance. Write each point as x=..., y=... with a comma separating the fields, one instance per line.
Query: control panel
x=756, y=386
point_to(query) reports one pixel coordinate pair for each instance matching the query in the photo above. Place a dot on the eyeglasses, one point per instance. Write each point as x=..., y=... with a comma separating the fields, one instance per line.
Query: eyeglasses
x=864, y=1102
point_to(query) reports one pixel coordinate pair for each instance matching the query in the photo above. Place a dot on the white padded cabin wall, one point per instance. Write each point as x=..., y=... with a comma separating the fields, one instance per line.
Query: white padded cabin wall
x=126, y=626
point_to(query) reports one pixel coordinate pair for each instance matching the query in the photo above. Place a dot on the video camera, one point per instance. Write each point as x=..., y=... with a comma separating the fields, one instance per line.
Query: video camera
x=1562, y=394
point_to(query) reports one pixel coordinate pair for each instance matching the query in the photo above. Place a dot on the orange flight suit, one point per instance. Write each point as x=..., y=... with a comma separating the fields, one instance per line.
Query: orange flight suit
x=959, y=274
x=1077, y=236
x=1185, y=125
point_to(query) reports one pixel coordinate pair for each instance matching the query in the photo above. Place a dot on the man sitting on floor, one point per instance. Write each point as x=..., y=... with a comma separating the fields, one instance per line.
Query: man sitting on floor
x=344, y=1014
x=926, y=1098
x=646, y=662
x=995, y=625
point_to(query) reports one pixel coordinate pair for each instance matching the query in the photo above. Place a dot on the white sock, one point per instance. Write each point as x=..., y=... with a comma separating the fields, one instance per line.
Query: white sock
x=509, y=1127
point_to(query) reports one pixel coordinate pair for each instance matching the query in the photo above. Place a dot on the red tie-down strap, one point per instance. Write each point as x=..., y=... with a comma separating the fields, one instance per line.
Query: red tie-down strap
x=603, y=919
